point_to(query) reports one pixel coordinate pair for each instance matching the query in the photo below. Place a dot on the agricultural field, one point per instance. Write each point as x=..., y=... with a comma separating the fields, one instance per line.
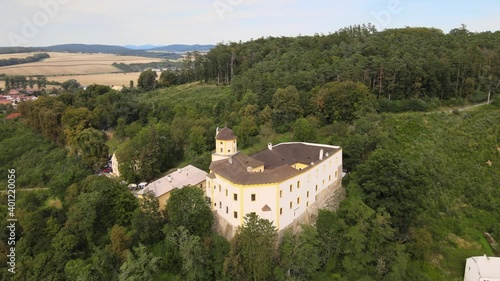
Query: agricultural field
x=60, y=64
x=109, y=79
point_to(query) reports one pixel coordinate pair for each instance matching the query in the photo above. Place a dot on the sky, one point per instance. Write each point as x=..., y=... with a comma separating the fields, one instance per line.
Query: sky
x=164, y=22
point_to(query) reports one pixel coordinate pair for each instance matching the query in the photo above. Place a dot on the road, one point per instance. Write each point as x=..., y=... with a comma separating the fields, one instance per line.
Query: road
x=471, y=106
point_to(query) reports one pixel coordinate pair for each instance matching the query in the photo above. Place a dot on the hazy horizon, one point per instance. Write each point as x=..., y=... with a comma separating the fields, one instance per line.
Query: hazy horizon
x=54, y=22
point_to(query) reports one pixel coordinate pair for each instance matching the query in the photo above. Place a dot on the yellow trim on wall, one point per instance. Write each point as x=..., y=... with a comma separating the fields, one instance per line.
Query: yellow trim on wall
x=242, y=197
x=278, y=207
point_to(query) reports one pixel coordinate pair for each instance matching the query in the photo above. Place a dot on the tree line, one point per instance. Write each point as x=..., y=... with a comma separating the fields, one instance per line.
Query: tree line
x=394, y=64
x=23, y=82
x=29, y=59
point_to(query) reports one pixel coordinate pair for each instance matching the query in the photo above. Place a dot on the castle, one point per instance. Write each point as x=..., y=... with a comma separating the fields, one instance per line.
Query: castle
x=286, y=183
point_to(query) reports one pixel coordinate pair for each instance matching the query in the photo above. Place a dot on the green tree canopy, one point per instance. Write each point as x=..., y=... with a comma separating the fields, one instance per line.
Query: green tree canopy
x=253, y=250
x=147, y=80
x=343, y=101
x=286, y=107
x=187, y=207
x=140, y=265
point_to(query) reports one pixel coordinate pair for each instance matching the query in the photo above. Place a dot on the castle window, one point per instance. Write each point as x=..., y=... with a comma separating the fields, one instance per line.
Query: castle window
x=226, y=192
x=336, y=173
x=229, y=151
x=307, y=204
x=253, y=197
x=329, y=178
x=221, y=143
x=298, y=200
x=220, y=188
x=227, y=210
x=215, y=204
x=281, y=193
x=316, y=187
x=235, y=197
x=290, y=188
x=308, y=194
x=281, y=211
x=220, y=205
x=291, y=204
x=235, y=214
x=221, y=150
x=298, y=184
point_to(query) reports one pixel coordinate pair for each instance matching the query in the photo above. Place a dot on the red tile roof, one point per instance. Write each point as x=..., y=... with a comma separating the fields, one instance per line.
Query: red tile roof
x=13, y=116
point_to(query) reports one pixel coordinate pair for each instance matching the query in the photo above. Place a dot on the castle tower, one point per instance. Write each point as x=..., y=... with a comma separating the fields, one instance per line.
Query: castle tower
x=225, y=144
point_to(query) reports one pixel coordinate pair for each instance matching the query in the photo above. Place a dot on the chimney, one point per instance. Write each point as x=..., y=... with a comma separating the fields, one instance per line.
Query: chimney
x=169, y=178
x=179, y=170
x=321, y=154
x=230, y=159
x=217, y=131
x=249, y=169
x=270, y=146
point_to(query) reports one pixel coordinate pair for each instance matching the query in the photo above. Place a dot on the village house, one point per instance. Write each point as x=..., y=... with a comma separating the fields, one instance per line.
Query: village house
x=14, y=97
x=286, y=183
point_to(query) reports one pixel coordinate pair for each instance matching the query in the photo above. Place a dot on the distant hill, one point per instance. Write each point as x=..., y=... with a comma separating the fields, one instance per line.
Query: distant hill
x=108, y=49
x=180, y=48
x=15, y=50
x=83, y=48
x=152, y=51
x=142, y=47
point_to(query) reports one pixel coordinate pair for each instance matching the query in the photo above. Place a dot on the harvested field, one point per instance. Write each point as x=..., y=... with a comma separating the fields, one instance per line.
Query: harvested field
x=70, y=64
x=110, y=79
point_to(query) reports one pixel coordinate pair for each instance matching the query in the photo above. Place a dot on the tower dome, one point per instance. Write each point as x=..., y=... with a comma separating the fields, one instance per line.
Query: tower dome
x=225, y=134
x=225, y=144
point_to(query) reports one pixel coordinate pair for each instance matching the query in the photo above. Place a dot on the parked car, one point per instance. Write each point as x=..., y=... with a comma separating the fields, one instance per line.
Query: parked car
x=106, y=170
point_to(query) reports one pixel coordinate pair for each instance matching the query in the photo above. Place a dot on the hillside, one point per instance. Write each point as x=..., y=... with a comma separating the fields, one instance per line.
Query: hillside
x=455, y=199
x=421, y=192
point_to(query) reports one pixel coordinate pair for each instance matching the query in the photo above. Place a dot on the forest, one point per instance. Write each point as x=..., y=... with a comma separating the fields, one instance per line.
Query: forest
x=422, y=185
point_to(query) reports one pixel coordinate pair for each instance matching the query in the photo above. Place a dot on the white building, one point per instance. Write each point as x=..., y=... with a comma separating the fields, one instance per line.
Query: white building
x=285, y=184
x=482, y=269
x=115, y=166
x=189, y=175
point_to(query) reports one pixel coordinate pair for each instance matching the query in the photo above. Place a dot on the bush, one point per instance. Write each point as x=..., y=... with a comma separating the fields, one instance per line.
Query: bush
x=496, y=101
